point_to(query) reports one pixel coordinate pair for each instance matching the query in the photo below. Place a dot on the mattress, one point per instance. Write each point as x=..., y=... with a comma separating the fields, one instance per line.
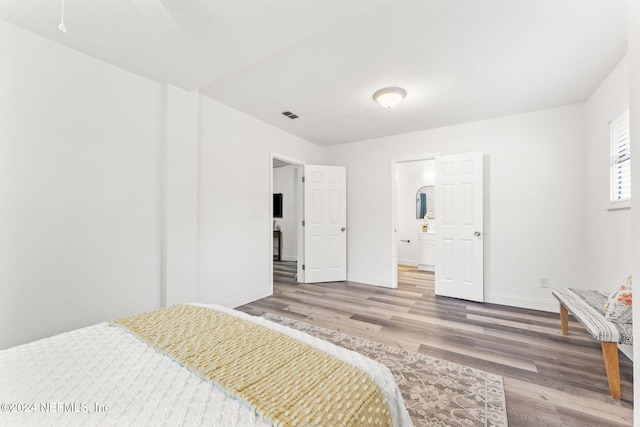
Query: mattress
x=103, y=375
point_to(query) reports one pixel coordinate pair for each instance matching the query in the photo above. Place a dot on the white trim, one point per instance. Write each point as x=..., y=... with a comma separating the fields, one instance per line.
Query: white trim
x=394, y=224
x=239, y=300
x=291, y=160
x=409, y=262
x=623, y=204
x=619, y=128
x=627, y=350
x=416, y=158
x=550, y=305
x=161, y=181
x=394, y=210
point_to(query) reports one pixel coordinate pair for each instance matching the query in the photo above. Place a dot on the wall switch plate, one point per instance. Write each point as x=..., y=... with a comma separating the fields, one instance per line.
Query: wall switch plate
x=544, y=282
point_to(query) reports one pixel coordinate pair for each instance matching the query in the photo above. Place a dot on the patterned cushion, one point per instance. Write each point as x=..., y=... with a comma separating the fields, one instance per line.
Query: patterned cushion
x=587, y=308
x=618, y=306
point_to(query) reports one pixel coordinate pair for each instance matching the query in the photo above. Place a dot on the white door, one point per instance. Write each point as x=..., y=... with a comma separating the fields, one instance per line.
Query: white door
x=325, y=224
x=459, y=230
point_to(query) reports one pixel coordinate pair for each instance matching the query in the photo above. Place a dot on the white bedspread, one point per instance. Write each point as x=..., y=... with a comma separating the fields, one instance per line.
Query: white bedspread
x=102, y=375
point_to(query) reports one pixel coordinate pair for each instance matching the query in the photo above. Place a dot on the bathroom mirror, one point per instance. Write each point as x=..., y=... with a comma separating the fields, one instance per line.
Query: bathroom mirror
x=425, y=201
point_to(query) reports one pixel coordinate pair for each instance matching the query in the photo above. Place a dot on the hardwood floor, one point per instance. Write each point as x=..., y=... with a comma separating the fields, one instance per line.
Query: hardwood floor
x=549, y=379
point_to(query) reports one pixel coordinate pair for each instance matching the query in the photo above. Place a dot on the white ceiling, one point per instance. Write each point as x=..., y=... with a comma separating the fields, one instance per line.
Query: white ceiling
x=458, y=60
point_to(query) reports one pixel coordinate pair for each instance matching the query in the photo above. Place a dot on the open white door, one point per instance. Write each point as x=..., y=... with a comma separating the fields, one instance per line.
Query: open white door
x=325, y=224
x=458, y=196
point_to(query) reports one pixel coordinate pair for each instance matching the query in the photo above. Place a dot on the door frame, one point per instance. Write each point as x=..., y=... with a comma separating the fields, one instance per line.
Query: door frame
x=394, y=208
x=299, y=203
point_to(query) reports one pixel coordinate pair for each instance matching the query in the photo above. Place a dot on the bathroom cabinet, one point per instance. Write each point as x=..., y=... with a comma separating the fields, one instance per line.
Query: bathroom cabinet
x=426, y=251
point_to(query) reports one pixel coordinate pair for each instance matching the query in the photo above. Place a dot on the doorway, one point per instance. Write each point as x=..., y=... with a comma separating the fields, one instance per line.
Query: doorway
x=415, y=214
x=287, y=252
x=454, y=236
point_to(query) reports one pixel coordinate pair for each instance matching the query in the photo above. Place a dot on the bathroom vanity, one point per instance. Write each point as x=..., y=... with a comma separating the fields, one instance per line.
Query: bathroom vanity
x=426, y=251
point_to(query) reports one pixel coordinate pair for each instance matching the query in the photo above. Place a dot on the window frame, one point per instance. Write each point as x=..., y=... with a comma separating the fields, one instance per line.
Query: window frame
x=619, y=141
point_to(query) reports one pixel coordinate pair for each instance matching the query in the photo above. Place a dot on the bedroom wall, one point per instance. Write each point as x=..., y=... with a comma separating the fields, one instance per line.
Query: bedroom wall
x=234, y=221
x=534, y=200
x=283, y=182
x=608, y=232
x=106, y=176
x=78, y=189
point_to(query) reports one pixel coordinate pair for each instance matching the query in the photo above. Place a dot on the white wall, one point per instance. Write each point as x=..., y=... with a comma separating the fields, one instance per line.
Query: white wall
x=234, y=221
x=283, y=182
x=78, y=189
x=106, y=176
x=410, y=177
x=608, y=232
x=534, y=200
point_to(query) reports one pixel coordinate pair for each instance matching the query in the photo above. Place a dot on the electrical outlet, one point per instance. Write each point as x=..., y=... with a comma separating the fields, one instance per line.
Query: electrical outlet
x=544, y=282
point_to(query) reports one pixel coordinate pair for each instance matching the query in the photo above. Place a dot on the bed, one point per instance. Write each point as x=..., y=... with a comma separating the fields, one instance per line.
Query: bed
x=112, y=374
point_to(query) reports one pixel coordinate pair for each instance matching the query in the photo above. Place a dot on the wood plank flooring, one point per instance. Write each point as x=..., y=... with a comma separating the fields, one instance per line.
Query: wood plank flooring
x=549, y=379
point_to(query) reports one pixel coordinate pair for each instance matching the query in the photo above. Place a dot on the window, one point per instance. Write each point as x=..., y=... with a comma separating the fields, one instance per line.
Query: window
x=620, y=160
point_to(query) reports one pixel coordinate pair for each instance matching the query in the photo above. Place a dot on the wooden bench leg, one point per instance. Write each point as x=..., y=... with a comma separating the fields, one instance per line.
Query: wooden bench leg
x=564, y=319
x=610, y=354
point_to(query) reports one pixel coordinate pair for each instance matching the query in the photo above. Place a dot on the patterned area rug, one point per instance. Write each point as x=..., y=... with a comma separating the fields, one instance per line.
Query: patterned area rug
x=436, y=392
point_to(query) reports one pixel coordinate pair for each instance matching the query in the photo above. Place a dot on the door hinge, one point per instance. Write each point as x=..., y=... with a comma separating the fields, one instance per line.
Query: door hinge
x=303, y=267
x=303, y=223
x=303, y=179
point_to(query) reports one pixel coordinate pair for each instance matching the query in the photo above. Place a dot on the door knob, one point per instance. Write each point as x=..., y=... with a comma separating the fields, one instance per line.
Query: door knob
x=343, y=228
x=477, y=234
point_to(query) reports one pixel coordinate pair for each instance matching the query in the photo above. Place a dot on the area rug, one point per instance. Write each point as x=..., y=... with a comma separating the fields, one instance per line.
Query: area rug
x=436, y=392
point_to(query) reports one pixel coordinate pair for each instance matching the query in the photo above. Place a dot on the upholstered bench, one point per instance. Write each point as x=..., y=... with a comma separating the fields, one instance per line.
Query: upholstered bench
x=587, y=308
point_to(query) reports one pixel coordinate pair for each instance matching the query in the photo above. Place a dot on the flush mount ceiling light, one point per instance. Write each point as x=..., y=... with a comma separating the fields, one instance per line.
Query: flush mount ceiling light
x=389, y=97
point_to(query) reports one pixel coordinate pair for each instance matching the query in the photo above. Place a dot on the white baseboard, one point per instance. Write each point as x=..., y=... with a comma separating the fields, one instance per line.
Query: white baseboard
x=551, y=306
x=627, y=350
x=288, y=257
x=411, y=262
x=542, y=304
x=239, y=300
x=523, y=302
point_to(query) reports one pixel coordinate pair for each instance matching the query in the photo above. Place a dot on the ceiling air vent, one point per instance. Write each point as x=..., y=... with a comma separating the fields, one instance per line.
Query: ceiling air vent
x=290, y=115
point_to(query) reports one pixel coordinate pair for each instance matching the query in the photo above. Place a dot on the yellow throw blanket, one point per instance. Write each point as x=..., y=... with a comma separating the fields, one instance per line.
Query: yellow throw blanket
x=288, y=382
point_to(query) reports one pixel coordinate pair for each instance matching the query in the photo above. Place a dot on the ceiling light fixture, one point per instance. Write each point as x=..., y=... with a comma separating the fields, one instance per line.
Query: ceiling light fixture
x=62, y=27
x=389, y=97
